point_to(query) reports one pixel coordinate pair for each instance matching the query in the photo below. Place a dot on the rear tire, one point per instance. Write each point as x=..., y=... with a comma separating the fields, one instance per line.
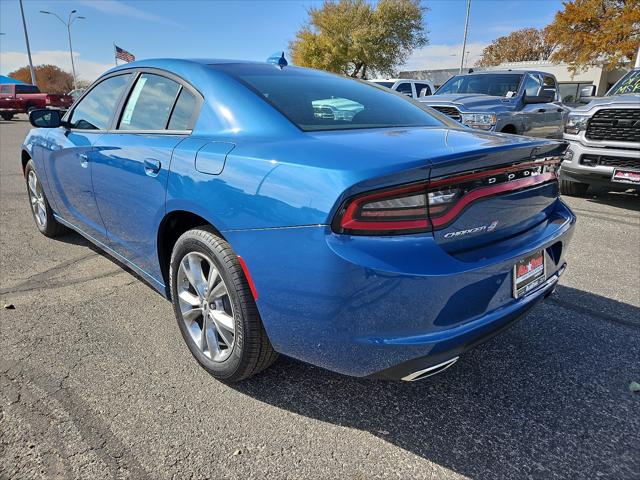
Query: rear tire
x=215, y=309
x=573, y=189
x=40, y=208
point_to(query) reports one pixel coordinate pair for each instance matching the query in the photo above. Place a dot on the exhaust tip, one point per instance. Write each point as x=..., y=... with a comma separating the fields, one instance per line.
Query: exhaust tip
x=428, y=372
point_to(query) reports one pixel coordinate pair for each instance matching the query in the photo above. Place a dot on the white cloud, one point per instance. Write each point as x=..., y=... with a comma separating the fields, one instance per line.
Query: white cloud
x=115, y=7
x=85, y=69
x=435, y=57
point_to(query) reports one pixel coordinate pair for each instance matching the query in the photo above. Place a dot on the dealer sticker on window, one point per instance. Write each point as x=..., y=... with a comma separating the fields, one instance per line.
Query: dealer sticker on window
x=626, y=176
x=528, y=273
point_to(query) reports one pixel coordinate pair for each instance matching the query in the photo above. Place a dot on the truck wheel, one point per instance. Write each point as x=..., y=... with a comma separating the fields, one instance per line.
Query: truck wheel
x=31, y=109
x=573, y=189
x=215, y=308
x=7, y=116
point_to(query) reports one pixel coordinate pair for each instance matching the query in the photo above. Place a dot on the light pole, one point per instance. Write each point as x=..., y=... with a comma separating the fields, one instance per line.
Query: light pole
x=67, y=24
x=26, y=39
x=464, y=42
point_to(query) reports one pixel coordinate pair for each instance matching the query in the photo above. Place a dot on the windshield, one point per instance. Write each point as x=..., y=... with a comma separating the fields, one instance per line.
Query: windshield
x=630, y=83
x=498, y=85
x=385, y=84
x=315, y=100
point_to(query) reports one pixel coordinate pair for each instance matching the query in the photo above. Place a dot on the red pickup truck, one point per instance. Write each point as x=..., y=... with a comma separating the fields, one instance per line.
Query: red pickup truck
x=33, y=98
x=9, y=106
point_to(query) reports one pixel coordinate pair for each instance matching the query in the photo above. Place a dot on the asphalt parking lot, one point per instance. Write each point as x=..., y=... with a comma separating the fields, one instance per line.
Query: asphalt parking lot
x=95, y=381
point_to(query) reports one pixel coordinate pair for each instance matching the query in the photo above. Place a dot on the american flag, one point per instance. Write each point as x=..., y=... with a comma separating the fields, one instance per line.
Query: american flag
x=122, y=54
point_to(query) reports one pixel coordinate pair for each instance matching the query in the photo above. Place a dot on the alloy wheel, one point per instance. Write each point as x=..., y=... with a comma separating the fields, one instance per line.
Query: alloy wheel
x=205, y=306
x=36, y=198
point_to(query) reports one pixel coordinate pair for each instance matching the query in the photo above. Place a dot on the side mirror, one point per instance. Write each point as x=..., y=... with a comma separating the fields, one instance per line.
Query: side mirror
x=588, y=91
x=587, y=94
x=46, y=118
x=545, y=96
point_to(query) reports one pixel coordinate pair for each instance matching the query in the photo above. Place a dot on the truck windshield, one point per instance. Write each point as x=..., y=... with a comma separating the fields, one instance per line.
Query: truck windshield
x=630, y=83
x=497, y=85
x=315, y=100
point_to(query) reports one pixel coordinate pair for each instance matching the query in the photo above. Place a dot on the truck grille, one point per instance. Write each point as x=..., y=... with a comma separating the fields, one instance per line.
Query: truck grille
x=452, y=112
x=618, y=124
x=609, y=161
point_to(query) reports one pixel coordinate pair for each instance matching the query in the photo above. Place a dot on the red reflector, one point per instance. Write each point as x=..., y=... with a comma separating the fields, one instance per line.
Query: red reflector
x=252, y=286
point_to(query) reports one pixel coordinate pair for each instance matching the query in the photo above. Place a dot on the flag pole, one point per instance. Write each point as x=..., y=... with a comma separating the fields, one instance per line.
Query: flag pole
x=115, y=55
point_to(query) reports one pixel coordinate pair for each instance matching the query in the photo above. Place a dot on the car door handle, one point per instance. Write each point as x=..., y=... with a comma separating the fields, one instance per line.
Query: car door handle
x=152, y=166
x=84, y=160
x=541, y=110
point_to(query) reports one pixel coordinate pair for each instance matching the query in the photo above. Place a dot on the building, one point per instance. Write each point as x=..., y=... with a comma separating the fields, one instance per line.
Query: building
x=570, y=83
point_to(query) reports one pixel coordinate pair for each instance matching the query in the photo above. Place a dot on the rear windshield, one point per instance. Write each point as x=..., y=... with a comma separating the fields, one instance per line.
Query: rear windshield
x=385, y=84
x=316, y=100
x=27, y=89
x=498, y=85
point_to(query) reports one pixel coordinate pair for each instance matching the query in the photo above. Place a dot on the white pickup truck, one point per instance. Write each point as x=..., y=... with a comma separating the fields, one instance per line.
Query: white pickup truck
x=410, y=88
x=604, y=141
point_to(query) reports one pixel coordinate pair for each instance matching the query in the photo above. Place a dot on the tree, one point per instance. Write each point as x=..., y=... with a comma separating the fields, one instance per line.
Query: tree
x=51, y=79
x=354, y=38
x=528, y=44
x=590, y=32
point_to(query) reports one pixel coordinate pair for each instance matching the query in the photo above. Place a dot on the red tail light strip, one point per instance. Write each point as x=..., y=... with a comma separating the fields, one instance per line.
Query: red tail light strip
x=352, y=221
x=474, y=195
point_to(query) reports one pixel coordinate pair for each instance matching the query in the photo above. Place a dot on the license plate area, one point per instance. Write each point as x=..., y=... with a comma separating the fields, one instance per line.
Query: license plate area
x=529, y=273
x=626, y=176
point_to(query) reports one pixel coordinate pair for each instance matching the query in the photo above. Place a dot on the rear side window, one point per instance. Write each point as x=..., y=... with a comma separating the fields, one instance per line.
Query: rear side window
x=405, y=88
x=5, y=89
x=149, y=104
x=27, y=89
x=95, y=110
x=183, y=111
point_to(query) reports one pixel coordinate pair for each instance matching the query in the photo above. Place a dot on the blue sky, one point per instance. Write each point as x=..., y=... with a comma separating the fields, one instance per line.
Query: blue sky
x=230, y=29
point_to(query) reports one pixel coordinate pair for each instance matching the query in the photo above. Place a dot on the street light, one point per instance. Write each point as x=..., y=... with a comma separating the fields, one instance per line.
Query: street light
x=67, y=24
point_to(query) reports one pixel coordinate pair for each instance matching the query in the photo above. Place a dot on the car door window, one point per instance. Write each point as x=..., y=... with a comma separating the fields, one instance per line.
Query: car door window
x=183, y=111
x=5, y=89
x=95, y=110
x=532, y=85
x=405, y=88
x=149, y=104
x=549, y=84
x=425, y=87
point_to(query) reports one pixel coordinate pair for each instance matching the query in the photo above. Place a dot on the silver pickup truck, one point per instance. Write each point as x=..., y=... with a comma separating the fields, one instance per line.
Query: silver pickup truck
x=510, y=101
x=604, y=141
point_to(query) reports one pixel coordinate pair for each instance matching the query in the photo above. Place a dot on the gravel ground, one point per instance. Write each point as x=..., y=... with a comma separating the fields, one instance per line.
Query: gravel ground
x=95, y=381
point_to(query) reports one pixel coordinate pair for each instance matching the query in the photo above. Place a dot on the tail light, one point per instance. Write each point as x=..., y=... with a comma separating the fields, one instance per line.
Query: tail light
x=427, y=206
x=47, y=100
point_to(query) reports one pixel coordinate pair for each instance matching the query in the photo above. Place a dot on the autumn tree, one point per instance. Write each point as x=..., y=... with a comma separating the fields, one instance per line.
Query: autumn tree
x=528, y=44
x=355, y=38
x=590, y=32
x=51, y=79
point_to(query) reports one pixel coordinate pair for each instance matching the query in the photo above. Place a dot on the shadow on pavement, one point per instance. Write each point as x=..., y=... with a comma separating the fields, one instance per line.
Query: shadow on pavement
x=547, y=398
x=629, y=199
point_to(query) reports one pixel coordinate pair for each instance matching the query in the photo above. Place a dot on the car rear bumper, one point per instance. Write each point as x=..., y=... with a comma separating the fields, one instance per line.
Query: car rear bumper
x=388, y=306
x=574, y=169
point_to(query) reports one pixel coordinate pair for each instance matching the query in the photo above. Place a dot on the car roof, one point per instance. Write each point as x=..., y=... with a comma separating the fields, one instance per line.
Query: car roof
x=396, y=80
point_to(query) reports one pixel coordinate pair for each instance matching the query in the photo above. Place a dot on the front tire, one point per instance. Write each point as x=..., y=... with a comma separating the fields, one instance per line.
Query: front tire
x=7, y=116
x=40, y=208
x=215, y=309
x=573, y=189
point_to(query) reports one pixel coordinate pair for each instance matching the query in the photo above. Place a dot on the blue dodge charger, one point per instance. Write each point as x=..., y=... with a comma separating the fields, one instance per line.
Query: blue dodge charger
x=287, y=210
